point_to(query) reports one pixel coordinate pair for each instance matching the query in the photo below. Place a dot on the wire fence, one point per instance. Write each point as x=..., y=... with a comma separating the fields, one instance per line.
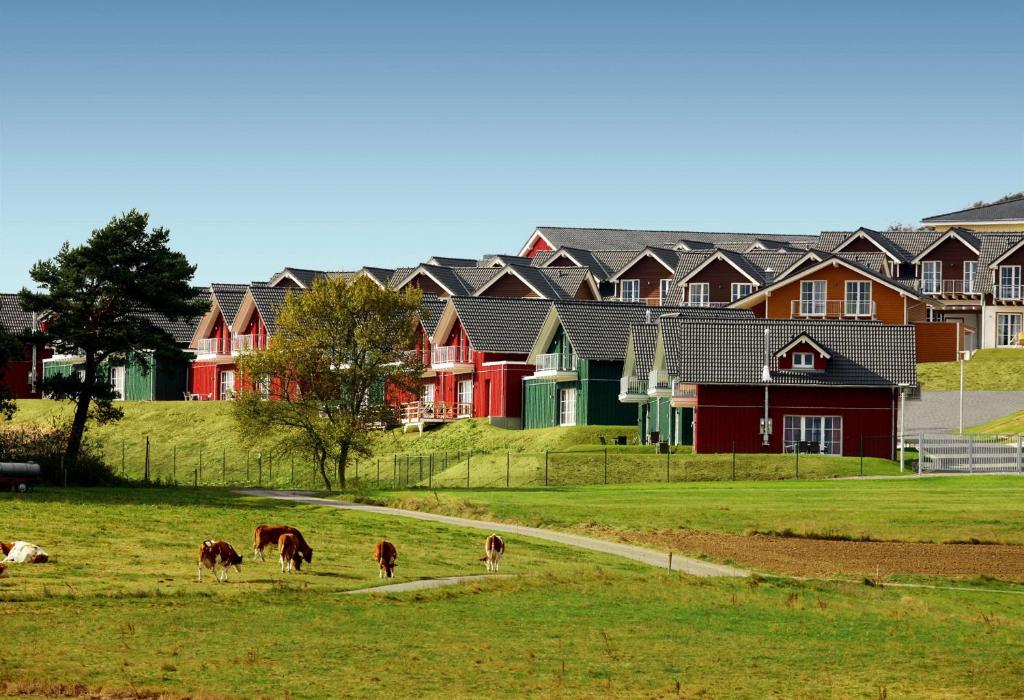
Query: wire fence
x=151, y=461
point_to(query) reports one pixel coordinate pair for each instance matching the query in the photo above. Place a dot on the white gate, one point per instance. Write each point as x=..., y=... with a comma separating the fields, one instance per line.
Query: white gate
x=970, y=453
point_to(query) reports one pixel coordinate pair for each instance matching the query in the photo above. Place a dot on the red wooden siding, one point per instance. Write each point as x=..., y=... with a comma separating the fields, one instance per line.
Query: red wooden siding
x=15, y=376
x=649, y=272
x=937, y=342
x=786, y=361
x=728, y=414
x=539, y=246
x=719, y=276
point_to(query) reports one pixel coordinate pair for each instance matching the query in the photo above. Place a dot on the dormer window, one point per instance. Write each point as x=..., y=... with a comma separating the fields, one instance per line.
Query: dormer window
x=803, y=360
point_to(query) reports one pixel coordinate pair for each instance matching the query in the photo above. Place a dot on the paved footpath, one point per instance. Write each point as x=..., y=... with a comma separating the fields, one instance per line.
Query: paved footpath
x=425, y=584
x=938, y=411
x=687, y=565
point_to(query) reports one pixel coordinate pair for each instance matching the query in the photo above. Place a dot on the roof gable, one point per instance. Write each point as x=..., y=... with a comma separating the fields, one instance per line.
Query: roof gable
x=1012, y=210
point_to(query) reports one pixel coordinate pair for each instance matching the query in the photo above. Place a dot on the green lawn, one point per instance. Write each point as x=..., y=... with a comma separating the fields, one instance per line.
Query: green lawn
x=1012, y=424
x=117, y=611
x=988, y=370
x=912, y=509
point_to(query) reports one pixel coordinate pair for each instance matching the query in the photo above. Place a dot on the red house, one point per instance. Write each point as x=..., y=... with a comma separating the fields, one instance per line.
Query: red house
x=22, y=376
x=211, y=376
x=769, y=385
x=478, y=361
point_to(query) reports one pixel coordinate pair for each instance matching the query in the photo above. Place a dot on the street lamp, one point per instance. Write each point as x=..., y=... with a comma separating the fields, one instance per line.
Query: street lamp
x=963, y=355
x=903, y=414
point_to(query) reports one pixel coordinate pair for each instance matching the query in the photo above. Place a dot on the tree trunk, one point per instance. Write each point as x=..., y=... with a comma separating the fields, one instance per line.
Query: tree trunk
x=81, y=414
x=322, y=459
x=342, y=462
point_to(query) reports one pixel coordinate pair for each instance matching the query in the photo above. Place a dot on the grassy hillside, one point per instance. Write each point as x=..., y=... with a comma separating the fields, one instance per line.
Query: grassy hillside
x=568, y=624
x=988, y=370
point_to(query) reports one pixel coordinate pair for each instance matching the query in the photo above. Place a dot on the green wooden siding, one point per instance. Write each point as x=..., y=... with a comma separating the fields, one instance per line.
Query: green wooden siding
x=674, y=425
x=540, y=405
x=161, y=380
x=598, y=396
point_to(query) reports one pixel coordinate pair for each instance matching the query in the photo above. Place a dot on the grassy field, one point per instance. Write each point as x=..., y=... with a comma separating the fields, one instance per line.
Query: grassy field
x=1012, y=424
x=988, y=370
x=923, y=510
x=118, y=611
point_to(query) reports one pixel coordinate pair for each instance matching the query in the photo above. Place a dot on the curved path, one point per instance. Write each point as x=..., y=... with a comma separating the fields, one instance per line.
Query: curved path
x=425, y=584
x=687, y=565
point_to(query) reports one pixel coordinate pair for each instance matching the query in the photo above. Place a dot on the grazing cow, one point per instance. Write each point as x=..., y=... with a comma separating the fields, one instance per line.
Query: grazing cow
x=494, y=547
x=385, y=555
x=270, y=535
x=24, y=553
x=218, y=552
x=290, y=553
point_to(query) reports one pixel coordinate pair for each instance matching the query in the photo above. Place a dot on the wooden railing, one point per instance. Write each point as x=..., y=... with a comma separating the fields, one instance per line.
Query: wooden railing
x=956, y=287
x=245, y=343
x=831, y=308
x=419, y=411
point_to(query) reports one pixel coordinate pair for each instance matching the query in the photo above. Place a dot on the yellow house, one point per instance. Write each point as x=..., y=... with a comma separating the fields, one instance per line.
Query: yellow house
x=1003, y=216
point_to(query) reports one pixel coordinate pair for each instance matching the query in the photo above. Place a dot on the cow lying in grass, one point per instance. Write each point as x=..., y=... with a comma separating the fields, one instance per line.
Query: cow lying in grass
x=23, y=553
x=494, y=547
x=385, y=555
x=214, y=553
x=270, y=535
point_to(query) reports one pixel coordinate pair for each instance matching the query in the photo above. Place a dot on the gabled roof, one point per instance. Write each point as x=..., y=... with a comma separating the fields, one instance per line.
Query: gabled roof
x=546, y=283
x=381, y=275
x=603, y=263
x=903, y=246
x=445, y=277
x=302, y=277
x=13, y=318
x=742, y=265
x=993, y=247
x=501, y=260
x=599, y=330
x=803, y=339
x=882, y=242
x=640, y=348
x=451, y=262
x=629, y=239
x=182, y=329
x=1012, y=210
x=228, y=298
x=494, y=324
x=968, y=238
x=431, y=308
x=666, y=257
x=864, y=353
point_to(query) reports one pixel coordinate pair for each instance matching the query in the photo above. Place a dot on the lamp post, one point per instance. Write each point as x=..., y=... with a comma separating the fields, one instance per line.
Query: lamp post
x=903, y=403
x=963, y=356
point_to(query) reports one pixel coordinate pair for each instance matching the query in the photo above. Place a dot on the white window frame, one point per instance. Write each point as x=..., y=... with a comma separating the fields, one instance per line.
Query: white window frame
x=629, y=290
x=228, y=393
x=263, y=385
x=464, y=398
x=117, y=376
x=970, y=276
x=738, y=290
x=1008, y=328
x=803, y=360
x=931, y=276
x=699, y=294
x=567, y=406
x=664, y=286
x=827, y=431
x=813, y=295
x=932, y=315
x=1014, y=284
x=427, y=393
x=857, y=303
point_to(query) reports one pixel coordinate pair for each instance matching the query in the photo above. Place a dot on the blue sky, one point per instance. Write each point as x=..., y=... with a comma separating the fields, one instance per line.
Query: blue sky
x=335, y=135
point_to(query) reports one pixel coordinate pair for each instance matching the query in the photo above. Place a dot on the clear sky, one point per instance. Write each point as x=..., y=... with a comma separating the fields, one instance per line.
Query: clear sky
x=333, y=135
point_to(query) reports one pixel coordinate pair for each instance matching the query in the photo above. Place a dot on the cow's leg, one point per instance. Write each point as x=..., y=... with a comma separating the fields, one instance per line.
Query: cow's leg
x=199, y=578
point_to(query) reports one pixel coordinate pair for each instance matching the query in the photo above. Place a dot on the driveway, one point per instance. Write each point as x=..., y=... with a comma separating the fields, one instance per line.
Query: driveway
x=937, y=411
x=688, y=565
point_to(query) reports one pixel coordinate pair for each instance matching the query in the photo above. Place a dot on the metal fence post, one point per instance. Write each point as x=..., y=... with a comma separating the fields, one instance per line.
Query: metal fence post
x=293, y=471
x=378, y=472
x=200, y=461
x=146, y=478
x=468, y=456
x=734, y=460
x=174, y=464
x=195, y=478
x=606, y=465
x=920, y=453
x=430, y=473
x=797, y=459
x=247, y=467
x=970, y=454
x=862, y=454
x=508, y=469
x=668, y=464
x=259, y=462
x=1018, y=453
x=545, y=467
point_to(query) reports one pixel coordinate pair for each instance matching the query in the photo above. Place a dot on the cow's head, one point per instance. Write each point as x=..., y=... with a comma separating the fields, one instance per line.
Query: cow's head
x=236, y=561
x=388, y=567
x=307, y=553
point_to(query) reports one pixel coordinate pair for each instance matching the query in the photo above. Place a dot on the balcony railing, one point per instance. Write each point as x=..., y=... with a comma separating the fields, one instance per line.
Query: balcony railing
x=699, y=303
x=209, y=346
x=653, y=301
x=555, y=362
x=1008, y=292
x=682, y=391
x=451, y=355
x=952, y=287
x=831, y=308
x=658, y=383
x=245, y=343
x=435, y=411
x=632, y=386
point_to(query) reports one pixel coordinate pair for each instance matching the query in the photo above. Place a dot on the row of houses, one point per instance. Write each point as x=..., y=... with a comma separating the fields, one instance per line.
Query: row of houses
x=582, y=326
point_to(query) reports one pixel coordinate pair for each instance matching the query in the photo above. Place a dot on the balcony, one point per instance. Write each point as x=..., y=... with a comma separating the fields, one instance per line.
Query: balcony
x=658, y=383
x=632, y=390
x=453, y=358
x=703, y=304
x=949, y=288
x=245, y=343
x=209, y=346
x=556, y=366
x=654, y=301
x=1012, y=293
x=831, y=308
x=426, y=412
x=683, y=394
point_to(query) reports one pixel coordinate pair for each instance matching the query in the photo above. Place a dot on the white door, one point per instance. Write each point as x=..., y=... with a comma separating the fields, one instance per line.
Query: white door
x=465, y=398
x=117, y=381
x=630, y=290
x=227, y=384
x=812, y=298
x=1008, y=330
x=567, y=407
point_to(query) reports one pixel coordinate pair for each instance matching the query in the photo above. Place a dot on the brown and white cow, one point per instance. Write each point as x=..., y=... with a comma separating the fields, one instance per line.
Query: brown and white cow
x=385, y=555
x=214, y=553
x=290, y=553
x=23, y=553
x=3, y=569
x=494, y=547
x=270, y=535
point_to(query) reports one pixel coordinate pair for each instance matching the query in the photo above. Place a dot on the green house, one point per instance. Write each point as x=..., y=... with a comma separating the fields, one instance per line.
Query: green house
x=657, y=420
x=161, y=380
x=577, y=360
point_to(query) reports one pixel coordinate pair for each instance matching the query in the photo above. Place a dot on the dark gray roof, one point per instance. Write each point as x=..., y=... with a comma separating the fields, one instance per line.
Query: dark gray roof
x=993, y=247
x=431, y=309
x=599, y=330
x=380, y=275
x=503, y=259
x=183, y=329
x=268, y=301
x=304, y=277
x=864, y=353
x=13, y=318
x=902, y=245
x=501, y=324
x=400, y=274
x=645, y=339
x=627, y=239
x=1012, y=210
x=475, y=277
x=229, y=298
x=451, y=262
